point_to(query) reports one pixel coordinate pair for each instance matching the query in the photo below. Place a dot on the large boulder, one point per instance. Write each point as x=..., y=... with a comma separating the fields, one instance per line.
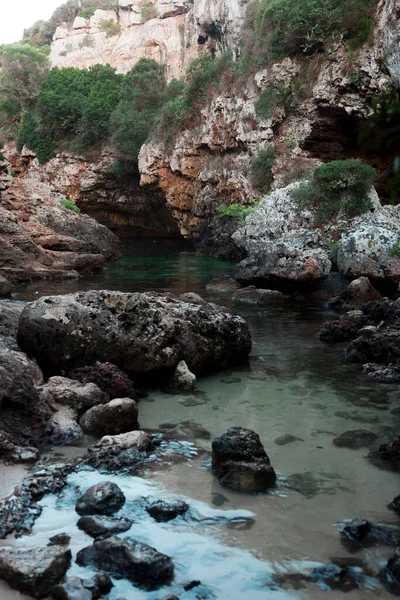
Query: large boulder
x=240, y=461
x=283, y=248
x=117, y=416
x=141, y=564
x=10, y=313
x=34, y=571
x=104, y=498
x=140, y=333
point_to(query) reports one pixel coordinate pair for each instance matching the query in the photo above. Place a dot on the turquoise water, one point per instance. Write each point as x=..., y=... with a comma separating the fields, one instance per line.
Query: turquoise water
x=293, y=385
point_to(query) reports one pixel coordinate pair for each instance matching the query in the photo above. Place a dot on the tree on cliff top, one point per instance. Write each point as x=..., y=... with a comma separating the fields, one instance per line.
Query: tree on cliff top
x=22, y=72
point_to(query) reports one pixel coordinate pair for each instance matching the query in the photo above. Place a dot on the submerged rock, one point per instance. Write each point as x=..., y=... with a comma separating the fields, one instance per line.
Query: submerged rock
x=390, y=574
x=287, y=439
x=162, y=511
x=222, y=284
x=256, y=297
x=34, y=571
x=240, y=461
x=356, y=438
x=395, y=505
x=141, y=564
x=104, y=498
x=108, y=377
x=117, y=416
x=96, y=526
x=140, y=333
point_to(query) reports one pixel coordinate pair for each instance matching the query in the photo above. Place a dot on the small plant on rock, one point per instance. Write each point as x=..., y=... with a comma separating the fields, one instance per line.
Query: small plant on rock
x=261, y=169
x=70, y=204
x=341, y=186
x=87, y=42
x=237, y=211
x=149, y=11
x=110, y=27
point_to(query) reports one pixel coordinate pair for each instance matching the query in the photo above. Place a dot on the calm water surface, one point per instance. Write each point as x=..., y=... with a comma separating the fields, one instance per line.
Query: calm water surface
x=292, y=385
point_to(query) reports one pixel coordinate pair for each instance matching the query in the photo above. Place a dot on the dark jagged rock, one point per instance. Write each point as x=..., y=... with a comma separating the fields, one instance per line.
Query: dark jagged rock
x=256, y=297
x=61, y=539
x=390, y=575
x=74, y=588
x=383, y=348
x=240, y=461
x=390, y=453
x=141, y=333
x=107, y=377
x=358, y=529
x=117, y=416
x=162, y=511
x=395, y=505
x=120, y=452
x=34, y=571
x=342, y=330
x=10, y=313
x=356, y=438
x=97, y=526
x=141, y=564
x=104, y=498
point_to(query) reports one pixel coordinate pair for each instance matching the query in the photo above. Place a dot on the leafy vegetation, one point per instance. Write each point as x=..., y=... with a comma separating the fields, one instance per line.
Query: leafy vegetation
x=237, y=211
x=340, y=186
x=261, y=169
x=70, y=204
x=87, y=42
x=88, y=12
x=110, y=27
x=1, y=148
x=149, y=11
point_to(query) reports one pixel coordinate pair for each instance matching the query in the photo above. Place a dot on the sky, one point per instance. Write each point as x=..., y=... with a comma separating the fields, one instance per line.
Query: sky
x=17, y=15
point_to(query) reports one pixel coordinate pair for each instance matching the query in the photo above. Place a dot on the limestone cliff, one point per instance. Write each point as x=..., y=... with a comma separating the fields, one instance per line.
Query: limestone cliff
x=172, y=32
x=330, y=99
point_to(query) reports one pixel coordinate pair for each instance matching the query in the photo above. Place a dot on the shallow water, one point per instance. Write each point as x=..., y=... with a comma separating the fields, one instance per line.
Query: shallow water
x=294, y=385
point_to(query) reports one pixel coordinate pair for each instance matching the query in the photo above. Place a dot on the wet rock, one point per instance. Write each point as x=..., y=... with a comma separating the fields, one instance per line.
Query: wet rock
x=34, y=571
x=390, y=575
x=74, y=588
x=117, y=416
x=256, y=297
x=390, y=453
x=61, y=539
x=240, y=462
x=342, y=330
x=395, y=505
x=386, y=374
x=140, y=333
x=162, y=511
x=360, y=291
x=97, y=526
x=183, y=379
x=108, y=377
x=65, y=427
x=383, y=348
x=357, y=529
x=10, y=313
x=356, y=438
x=104, y=498
x=141, y=564
x=5, y=286
x=67, y=392
x=335, y=577
x=119, y=452
x=287, y=439
x=222, y=284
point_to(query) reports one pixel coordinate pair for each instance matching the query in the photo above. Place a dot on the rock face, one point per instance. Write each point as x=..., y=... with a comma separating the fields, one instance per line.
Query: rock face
x=40, y=238
x=117, y=416
x=140, y=333
x=34, y=572
x=172, y=32
x=126, y=557
x=104, y=498
x=240, y=461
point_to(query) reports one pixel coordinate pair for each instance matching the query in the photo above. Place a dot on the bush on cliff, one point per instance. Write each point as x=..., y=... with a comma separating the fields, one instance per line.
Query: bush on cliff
x=341, y=186
x=261, y=169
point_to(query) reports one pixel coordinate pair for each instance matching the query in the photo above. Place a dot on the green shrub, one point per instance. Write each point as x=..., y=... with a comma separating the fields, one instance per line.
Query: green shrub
x=70, y=204
x=149, y=11
x=87, y=42
x=236, y=211
x=1, y=148
x=335, y=247
x=31, y=135
x=335, y=187
x=110, y=27
x=261, y=169
x=88, y=12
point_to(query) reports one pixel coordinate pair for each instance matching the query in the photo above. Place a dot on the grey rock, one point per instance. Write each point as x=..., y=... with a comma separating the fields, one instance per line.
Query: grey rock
x=67, y=392
x=183, y=380
x=117, y=416
x=256, y=297
x=104, y=498
x=240, y=461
